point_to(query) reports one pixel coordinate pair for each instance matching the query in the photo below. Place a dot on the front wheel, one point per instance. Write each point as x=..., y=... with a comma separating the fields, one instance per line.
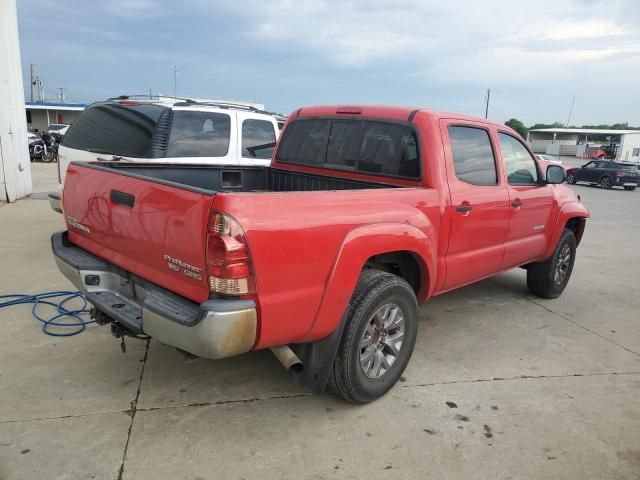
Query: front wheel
x=378, y=339
x=549, y=279
x=629, y=188
x=571, y=178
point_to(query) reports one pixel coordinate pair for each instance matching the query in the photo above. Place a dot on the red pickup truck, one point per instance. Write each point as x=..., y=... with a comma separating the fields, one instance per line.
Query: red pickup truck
x=364, y=213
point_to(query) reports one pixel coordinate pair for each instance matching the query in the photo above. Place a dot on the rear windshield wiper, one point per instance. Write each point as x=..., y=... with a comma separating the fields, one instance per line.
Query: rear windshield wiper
x=252, y=150
x=99, y=150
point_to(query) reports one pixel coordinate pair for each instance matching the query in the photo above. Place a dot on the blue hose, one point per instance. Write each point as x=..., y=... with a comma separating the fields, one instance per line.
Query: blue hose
x=59, y=320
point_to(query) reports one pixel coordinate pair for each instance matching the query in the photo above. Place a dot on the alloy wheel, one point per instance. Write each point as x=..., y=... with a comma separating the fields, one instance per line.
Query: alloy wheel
x=564, y=262
x=382, y=340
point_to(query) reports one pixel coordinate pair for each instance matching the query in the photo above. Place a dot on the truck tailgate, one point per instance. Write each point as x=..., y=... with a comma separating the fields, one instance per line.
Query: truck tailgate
x=156, y=230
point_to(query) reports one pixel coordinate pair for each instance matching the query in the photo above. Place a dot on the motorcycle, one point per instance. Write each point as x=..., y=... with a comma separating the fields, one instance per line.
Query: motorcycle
x=44, y=147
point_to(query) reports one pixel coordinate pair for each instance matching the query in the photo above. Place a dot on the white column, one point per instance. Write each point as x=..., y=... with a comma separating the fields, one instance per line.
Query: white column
x=15, y=167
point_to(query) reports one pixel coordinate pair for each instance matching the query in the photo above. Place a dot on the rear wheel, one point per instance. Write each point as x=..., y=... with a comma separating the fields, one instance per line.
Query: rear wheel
x=605, y=182
x=571, y=178
x=549, y=279
x=378, y=338
x=631, y=189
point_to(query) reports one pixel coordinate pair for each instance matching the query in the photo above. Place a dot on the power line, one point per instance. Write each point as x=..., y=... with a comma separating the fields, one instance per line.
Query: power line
x=499, y=111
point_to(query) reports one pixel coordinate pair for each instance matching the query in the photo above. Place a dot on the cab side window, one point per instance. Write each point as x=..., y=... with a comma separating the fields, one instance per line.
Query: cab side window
x=520, y=166
x=473, y=158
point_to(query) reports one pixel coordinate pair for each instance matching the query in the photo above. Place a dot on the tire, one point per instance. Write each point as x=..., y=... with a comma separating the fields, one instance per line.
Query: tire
x=571, y=178
x=370, y=361
x=605, y=182
x=541, y=277
x=630, y=189
x=47, y=156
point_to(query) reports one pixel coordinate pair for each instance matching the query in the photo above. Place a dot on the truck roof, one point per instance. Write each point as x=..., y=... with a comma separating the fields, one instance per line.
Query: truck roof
x=385, y=111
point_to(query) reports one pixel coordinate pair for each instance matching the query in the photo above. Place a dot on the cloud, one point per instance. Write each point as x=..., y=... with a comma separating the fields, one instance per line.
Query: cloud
x=535, y=57
x=435, y=36
x=133, y=8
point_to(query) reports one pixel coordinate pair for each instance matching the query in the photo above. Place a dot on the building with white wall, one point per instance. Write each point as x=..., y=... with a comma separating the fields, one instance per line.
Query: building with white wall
x=15, y=166
x=575, y=141
x=630, y=148
x=42, y=114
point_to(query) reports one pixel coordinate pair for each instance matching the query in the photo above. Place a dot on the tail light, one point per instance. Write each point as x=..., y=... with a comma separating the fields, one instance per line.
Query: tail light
x=618, y=173
x=229, y=266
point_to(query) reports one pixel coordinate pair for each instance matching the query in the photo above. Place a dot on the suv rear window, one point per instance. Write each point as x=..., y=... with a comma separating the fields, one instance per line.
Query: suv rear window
x=199, y=134
x=114, y=129
x=366, y=146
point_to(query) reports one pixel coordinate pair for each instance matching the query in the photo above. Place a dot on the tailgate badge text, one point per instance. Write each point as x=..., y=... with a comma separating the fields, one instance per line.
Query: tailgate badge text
x=72, y=222
x=178, y=265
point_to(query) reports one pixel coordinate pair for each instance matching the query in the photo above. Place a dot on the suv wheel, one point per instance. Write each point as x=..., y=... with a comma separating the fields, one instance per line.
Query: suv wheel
x=605, y=182
x=378, y=338
x=549, y=279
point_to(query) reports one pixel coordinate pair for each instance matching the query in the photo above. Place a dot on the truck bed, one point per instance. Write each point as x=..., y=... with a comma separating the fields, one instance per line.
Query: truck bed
x=210, y=179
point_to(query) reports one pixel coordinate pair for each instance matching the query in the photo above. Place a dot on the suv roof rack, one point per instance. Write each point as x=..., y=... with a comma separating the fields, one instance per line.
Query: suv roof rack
x=185, y=101
x=188, y=102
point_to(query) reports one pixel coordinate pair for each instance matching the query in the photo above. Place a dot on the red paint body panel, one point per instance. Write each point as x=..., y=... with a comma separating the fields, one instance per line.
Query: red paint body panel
x=309, y=247
x=163, y=221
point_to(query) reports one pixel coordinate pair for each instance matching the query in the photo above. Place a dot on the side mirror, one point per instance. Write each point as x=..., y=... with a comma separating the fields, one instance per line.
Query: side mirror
x=555, y=174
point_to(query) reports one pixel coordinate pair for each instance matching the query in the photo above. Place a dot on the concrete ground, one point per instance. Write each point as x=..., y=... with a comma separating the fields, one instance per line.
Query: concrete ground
x=501, y=385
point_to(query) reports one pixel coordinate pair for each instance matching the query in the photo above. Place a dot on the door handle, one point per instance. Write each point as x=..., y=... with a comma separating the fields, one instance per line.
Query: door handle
x=516, y=203
x=122, y=198
x=465, y=208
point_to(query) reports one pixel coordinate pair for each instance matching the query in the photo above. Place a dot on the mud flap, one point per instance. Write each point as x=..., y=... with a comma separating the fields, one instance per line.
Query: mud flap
x=318, y=358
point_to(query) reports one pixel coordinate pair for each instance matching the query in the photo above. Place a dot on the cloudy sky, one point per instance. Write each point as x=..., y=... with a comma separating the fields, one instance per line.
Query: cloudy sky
x=290, y=53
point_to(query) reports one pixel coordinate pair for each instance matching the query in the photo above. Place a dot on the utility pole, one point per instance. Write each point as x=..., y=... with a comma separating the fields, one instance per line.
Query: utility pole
x=32, y=80
x=175, y=81
x=61, y=94
x=150, y=93
x=40, y=84
x=570, y=112
x=486, y=108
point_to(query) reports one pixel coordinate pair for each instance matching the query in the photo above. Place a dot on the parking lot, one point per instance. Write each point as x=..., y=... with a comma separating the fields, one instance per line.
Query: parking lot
x=501, y=385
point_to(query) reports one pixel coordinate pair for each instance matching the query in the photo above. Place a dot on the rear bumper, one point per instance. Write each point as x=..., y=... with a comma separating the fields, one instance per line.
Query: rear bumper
x=217, y=328
x=54, y=202
x=627, y=181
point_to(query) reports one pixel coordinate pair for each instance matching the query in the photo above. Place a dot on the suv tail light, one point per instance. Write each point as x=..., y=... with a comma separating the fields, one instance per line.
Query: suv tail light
x=229, y=266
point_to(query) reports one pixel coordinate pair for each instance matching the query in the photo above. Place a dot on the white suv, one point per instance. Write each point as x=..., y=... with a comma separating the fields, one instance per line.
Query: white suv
x=133, y=129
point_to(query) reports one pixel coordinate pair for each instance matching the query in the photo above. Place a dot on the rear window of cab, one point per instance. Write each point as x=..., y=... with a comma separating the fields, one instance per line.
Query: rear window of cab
x=365, y=146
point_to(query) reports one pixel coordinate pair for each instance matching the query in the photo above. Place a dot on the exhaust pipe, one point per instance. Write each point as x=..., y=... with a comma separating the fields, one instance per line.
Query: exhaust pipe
x=288, y=359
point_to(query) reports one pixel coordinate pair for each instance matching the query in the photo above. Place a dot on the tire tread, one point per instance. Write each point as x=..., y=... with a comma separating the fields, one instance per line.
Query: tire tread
x=369, y=285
